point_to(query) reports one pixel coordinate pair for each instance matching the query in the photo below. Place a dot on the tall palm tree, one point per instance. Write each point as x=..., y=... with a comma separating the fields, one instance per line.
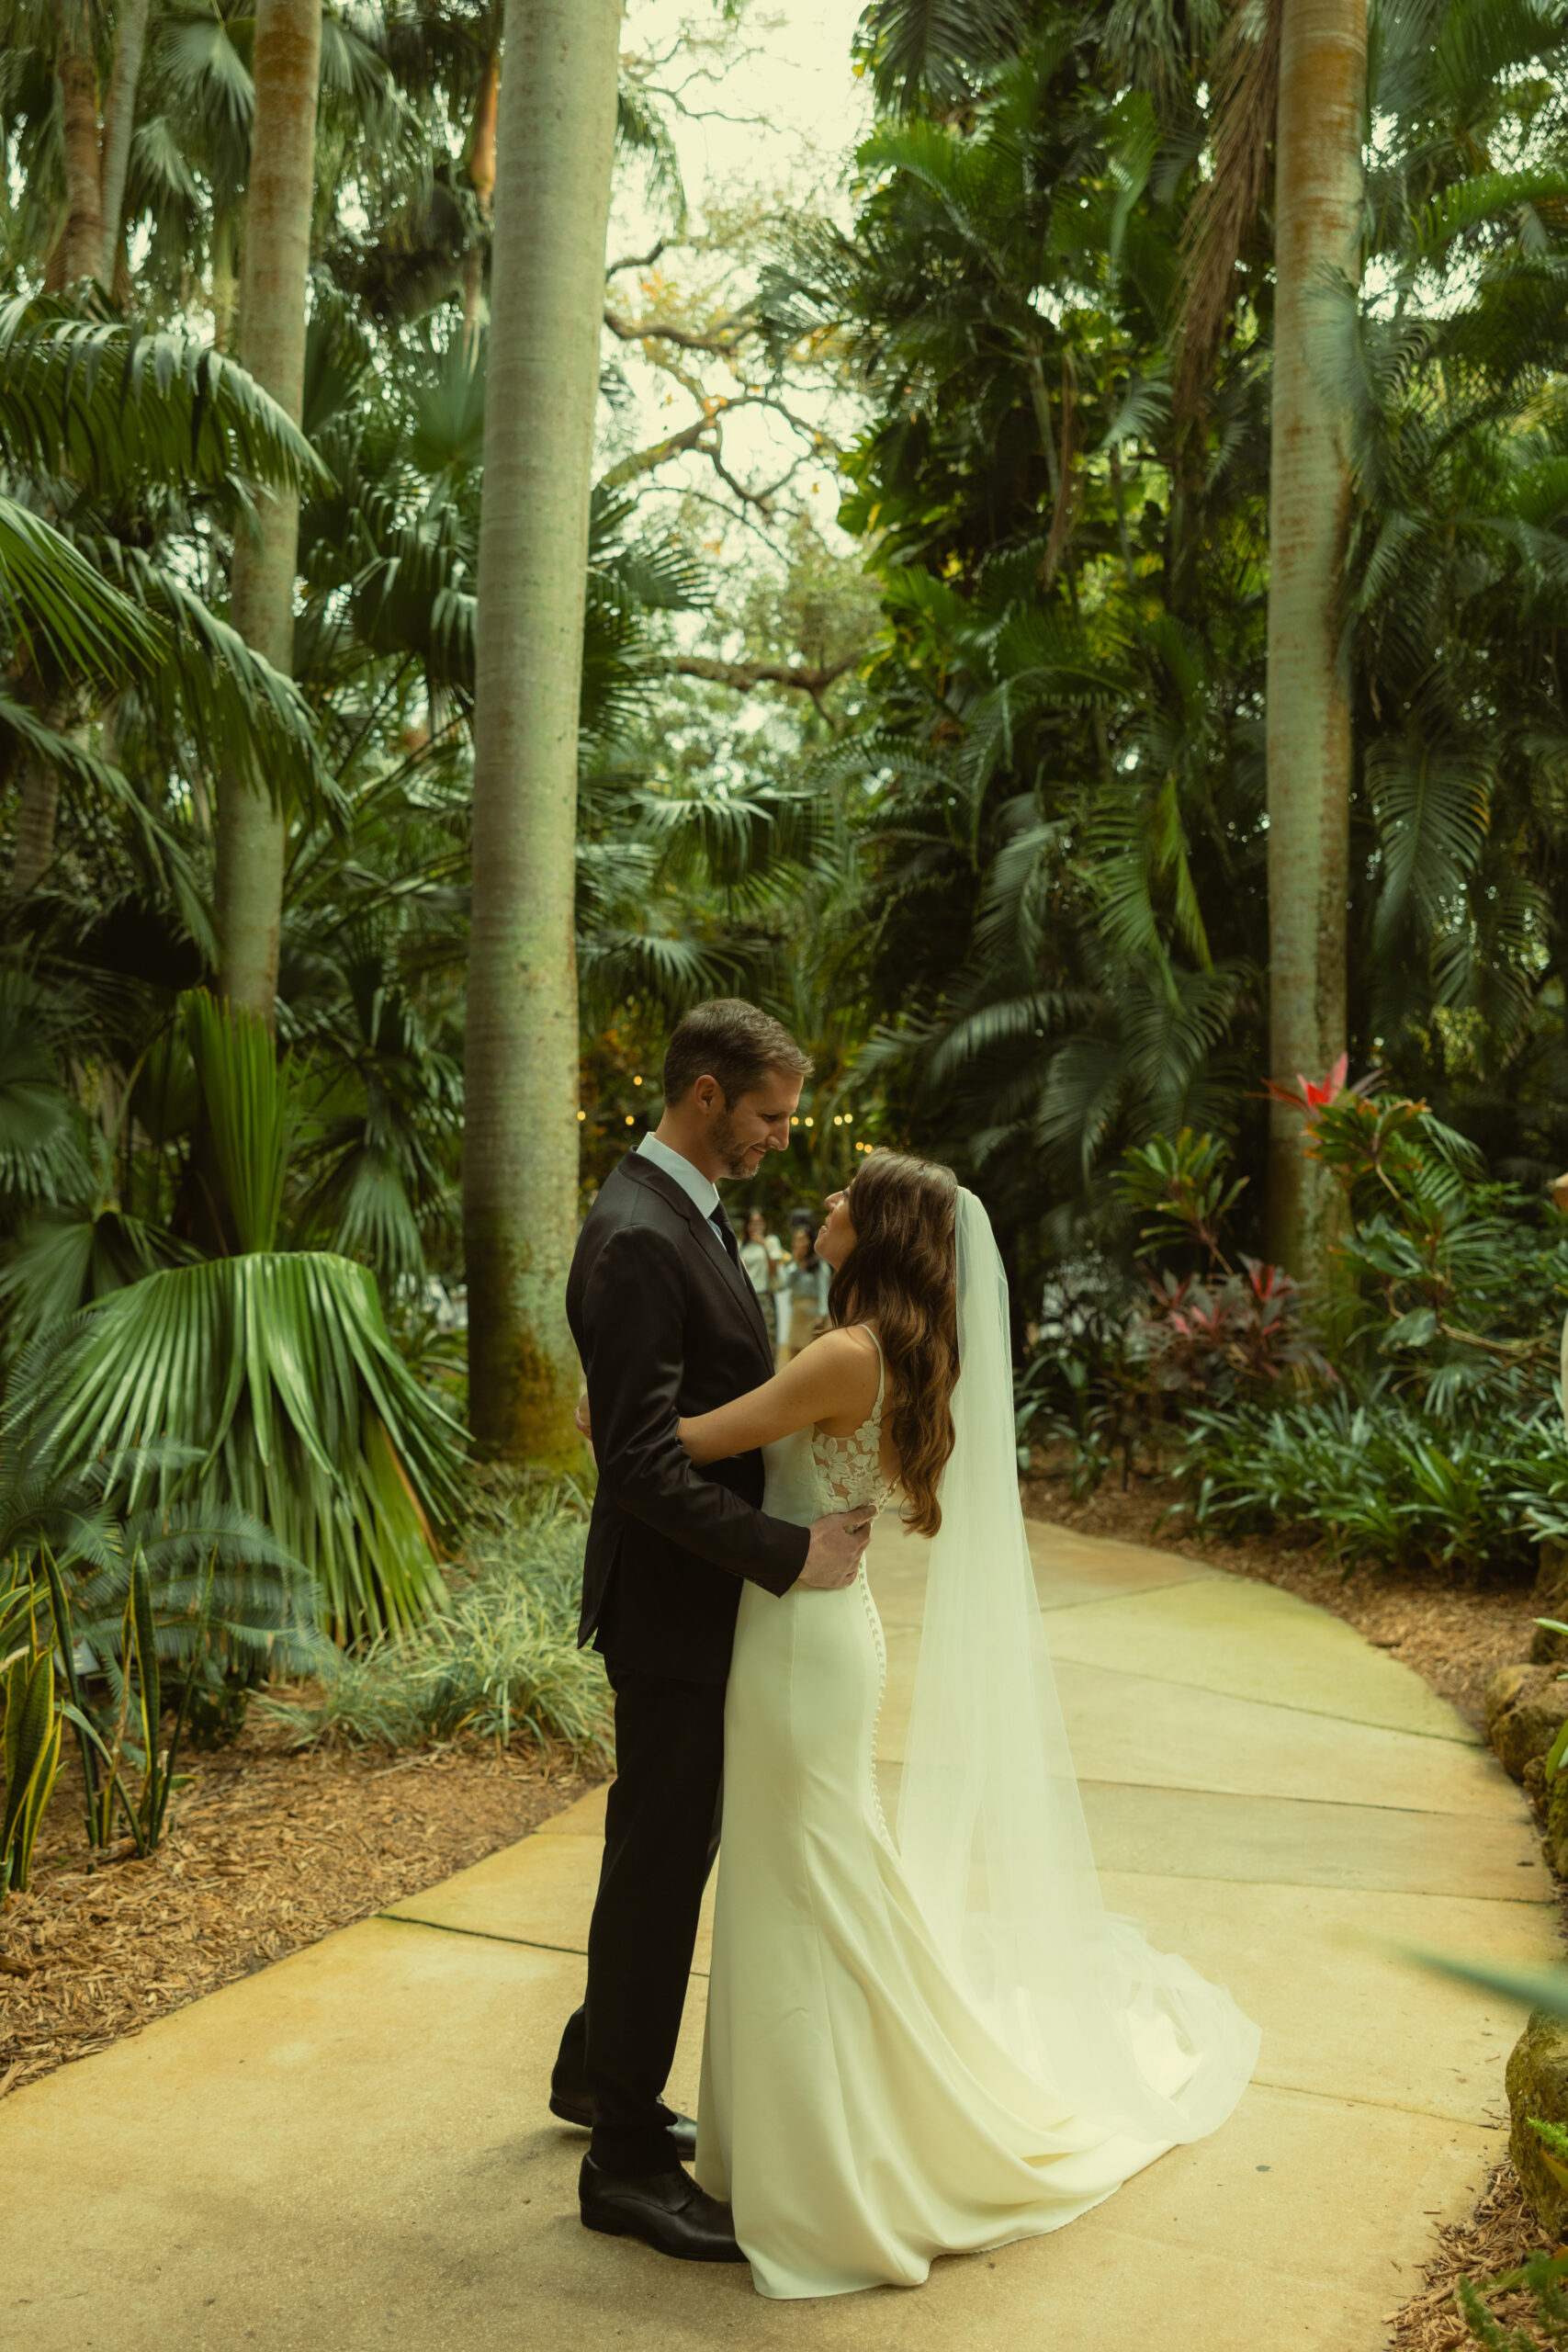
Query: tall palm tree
x=252, y=822
x=82, y=240
x=120, y=125
x=555, y=145
x=1317, y=212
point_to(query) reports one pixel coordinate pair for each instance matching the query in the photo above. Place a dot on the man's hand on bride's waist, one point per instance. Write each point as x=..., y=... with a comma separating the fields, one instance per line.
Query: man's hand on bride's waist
x=838, y=1546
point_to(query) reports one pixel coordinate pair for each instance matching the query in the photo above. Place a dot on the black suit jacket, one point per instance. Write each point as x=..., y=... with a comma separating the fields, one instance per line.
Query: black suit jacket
x=667, y=1324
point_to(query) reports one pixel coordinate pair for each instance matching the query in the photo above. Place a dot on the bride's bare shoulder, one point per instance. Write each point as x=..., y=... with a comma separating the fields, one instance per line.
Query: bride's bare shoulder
x=850, y=1346
x=848, y=1369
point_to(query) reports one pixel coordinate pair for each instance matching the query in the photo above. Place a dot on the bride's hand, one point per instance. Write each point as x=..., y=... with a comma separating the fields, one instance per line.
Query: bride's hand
x=838, y=1546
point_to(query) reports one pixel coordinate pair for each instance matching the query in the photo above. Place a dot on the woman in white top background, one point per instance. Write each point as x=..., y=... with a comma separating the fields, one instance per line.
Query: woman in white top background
x=804, y=1295
x=764, y=1257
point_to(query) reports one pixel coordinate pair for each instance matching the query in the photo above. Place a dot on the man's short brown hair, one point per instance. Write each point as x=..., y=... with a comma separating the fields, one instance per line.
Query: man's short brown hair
x=734, y=1042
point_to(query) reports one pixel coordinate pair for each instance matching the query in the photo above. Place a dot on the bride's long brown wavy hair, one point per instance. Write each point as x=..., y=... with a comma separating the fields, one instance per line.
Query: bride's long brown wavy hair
x=902, y=1277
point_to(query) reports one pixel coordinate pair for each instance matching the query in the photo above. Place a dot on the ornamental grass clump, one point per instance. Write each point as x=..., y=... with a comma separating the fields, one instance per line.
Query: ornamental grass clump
x=500, y=1661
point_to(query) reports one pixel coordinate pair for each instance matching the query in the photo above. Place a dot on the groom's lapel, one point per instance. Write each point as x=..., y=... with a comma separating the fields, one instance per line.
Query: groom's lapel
x=644, y=1171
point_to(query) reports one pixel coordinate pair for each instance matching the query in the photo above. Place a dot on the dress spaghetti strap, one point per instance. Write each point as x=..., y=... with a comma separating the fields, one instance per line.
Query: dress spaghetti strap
x=881, y=1370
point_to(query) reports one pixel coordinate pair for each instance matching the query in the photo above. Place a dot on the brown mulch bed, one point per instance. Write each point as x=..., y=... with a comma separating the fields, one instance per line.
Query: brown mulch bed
x=1455, y=1636
x=270, y=1849
x=1498, y=2236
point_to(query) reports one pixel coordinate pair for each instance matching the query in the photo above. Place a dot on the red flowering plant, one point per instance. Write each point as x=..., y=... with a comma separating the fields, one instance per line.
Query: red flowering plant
x=1231, y=1330
x=1460, y=1279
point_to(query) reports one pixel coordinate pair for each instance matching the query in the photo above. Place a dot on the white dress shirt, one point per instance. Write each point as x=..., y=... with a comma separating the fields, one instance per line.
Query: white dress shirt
x=700, y=1188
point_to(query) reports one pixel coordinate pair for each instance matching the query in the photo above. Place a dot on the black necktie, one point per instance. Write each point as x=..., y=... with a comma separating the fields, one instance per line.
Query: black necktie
x=725, y=1231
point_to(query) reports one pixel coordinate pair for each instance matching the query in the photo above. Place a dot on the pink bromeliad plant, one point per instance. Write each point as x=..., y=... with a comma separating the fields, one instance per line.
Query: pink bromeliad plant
x=1235, y=1328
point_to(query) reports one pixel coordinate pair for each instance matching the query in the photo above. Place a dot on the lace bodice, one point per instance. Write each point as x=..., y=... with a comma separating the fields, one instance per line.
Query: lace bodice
x=850, y=1468
x=810, y=1474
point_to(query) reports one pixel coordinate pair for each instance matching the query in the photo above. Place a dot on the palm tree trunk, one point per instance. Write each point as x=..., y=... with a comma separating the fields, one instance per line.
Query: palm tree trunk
x=1323, y=92
x=225, y=284
x=38, y=801
x=546, y=300
x=482, y=173
x=120, y=121
x=79, y=131
x=251, y=827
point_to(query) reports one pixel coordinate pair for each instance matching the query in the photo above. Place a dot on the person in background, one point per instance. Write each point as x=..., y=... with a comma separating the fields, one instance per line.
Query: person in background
x=806, y=1280
x=764, y=1257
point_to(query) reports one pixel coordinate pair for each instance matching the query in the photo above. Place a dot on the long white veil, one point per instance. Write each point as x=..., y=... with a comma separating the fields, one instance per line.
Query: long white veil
x=990, y=1824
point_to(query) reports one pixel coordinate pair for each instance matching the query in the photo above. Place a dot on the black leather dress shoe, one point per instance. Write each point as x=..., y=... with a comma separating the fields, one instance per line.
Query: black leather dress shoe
x=666, y=2210
x=683, y=2128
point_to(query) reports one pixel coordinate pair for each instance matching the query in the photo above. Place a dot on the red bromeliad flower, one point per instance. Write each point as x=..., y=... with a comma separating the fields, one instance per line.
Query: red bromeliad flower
x=1305, y=1096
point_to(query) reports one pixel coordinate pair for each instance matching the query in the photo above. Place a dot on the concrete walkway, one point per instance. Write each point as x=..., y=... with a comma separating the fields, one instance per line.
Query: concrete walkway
x=352, y=2149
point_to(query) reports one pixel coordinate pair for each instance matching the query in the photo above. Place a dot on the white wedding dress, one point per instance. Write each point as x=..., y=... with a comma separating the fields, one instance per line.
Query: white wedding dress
x=921, y=2046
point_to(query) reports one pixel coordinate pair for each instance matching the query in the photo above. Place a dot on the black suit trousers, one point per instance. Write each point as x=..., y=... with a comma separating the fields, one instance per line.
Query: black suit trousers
x=661, y=1836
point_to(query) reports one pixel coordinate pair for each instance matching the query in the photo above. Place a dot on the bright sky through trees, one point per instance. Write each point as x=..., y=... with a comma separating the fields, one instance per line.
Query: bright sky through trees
x=765, y=116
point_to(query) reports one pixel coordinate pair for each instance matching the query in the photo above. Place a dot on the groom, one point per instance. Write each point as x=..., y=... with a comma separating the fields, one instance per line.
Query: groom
x=667, y=1323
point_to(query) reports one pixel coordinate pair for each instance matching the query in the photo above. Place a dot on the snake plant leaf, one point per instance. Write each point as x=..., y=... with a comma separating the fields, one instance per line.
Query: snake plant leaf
x=32, y=1759
x=279, y=1372
x=144, y=1637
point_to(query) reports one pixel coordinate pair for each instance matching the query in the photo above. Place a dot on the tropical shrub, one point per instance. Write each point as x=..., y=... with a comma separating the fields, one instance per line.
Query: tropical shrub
x=499, y=1659
x=1120, y=1358
x=99, y=1617
x=1460, y=1282
x=1076, y=1390
x=1444, y=1443
x=1380, y=1478
x=274, y=1366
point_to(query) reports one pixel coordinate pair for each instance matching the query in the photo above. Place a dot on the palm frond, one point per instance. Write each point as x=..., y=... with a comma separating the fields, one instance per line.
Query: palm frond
x=278, y=1371
x=58, y=601
x=107, y=402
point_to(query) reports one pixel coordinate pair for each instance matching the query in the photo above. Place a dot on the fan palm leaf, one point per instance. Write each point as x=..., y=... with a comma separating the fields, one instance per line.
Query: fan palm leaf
x=278, y=1373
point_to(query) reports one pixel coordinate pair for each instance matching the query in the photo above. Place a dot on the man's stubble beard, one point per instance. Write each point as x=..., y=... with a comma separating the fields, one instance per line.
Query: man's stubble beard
x=727, y=1148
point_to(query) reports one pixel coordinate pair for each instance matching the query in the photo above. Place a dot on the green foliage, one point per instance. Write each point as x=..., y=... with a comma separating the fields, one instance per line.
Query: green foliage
x=32, y=1728
x=1541, y=2277
x=1066, y=930
x=1444, y=1443
x=1124, y=1358
x=200, y=1591
x=279, y=1374
x=104, y=401
x=1179, y=1185
x=1462, y=1281
x=245, y=1093
x=1381, y=1480
x=499, y=1660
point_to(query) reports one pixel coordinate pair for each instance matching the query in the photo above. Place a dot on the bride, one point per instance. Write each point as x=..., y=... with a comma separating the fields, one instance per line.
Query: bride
x=923, y=2037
